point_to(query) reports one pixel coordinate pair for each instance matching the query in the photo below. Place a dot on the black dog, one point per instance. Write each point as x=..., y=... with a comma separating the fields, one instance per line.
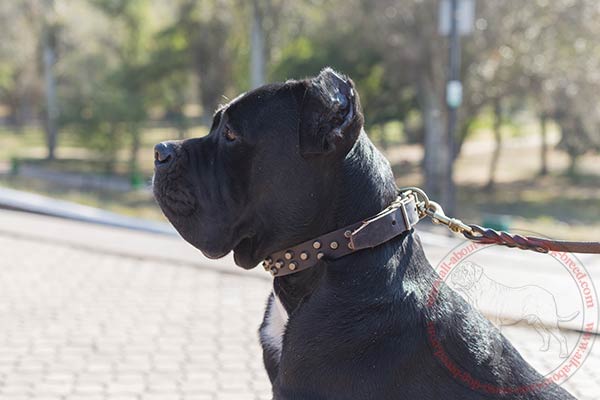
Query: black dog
x=286, y=163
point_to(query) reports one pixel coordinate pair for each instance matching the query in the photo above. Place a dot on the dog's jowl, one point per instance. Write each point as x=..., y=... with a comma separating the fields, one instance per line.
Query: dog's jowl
x=290, y=162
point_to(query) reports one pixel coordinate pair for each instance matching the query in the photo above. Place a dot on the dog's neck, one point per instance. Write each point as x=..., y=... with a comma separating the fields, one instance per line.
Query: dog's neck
x=365, y=187
x=366, y=184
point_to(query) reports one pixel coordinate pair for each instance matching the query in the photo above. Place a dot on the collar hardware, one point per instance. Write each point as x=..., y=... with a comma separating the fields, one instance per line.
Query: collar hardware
x=411, y=205
x=400, y=216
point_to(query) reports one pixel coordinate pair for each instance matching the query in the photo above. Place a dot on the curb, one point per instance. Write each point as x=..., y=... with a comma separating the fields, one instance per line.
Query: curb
x=37, y=204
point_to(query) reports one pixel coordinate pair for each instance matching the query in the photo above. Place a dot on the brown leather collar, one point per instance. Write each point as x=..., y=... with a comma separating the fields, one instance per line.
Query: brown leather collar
x=398, y=217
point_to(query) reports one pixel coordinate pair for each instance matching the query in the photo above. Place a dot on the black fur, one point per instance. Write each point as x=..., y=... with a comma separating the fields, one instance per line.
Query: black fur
x=302, y=166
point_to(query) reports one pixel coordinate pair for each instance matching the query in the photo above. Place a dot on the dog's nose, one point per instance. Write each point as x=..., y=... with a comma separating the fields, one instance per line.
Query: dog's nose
x=164, y=153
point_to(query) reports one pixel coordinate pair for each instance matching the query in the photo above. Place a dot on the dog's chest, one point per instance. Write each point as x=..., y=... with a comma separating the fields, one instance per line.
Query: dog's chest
x=271, y=334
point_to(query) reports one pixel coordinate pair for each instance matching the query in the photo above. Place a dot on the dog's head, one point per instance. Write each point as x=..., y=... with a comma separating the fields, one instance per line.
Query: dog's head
x=262, y=176
x=466, y=275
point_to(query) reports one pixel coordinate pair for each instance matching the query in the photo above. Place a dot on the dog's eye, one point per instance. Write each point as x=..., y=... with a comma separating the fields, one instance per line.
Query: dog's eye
x=229, y=134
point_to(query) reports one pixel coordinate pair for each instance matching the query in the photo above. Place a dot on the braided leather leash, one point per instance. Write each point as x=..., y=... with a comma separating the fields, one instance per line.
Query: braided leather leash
x=401, y=216
x=484, y=235
x=490, y=236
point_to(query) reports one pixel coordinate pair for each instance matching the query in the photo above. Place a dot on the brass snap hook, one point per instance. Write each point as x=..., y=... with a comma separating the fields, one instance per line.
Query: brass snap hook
x=437, y=215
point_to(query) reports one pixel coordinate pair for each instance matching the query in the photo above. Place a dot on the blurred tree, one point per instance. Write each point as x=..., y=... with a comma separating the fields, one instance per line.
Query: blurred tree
x=267, y=32
x=205, y=28
x=414, y=54
x=116, y=106
x=170, y=64
x=497, y=130
x=133, y=57
x=20, y=80
x=384, y=96
x=573, y=81
x=564, y=64
x=49, y=40
x=494, y=78
x=132, y=74
x=257, y=45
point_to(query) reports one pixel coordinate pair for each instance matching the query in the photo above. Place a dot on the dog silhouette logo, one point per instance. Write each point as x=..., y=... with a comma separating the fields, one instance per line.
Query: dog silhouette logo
x=506, y=305
x=555, y=303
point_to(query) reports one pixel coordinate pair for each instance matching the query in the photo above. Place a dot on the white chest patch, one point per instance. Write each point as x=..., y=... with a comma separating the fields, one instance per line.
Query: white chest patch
x=272, y=332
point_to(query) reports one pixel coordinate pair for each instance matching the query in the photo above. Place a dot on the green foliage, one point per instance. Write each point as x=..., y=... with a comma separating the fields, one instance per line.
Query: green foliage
x=103, y=120
x=5, y=76
x=306, y=56
x=122, y=62
x=110, y=114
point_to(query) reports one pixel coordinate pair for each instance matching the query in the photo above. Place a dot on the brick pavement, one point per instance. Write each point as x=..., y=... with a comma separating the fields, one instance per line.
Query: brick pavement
x=78, y=322
x=80, y=325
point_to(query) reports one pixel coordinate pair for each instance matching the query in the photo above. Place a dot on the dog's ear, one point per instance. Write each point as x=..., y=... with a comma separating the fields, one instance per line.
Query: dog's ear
x=477, y=272
x=330, y=114
x=455, y=277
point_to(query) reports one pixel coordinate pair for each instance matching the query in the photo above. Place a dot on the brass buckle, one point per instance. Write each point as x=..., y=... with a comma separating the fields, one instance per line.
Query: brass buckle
x=400, y=202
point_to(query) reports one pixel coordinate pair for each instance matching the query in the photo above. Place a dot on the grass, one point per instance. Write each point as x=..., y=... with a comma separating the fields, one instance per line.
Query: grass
x=30, y=144
x=137, y=203
x=29, y=147
x=553, y=205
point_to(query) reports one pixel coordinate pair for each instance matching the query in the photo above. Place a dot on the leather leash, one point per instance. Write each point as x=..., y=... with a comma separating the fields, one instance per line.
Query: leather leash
x=484, y=235
x=411, y=205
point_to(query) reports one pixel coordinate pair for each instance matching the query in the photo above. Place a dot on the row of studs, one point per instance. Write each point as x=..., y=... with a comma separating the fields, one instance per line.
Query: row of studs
x=274, y=268
x=289, y=254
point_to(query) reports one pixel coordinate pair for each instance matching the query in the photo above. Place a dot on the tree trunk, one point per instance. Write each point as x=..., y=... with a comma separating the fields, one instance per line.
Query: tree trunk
x=180, y=119
x=465, y=128
x=434, y=161
x=135, y=147
x=383, y=140
x=49, y=59
x=572, y=170
x=134, y=174
x=110, y=154
x=497, y=144
x=181, y=132
x=257, y=48
x=544, y=148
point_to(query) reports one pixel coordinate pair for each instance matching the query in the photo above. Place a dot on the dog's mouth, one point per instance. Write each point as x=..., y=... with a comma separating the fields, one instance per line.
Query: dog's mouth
x=172, y=192
x=212, y=254
x=242, y=245
x=204, y=226
x=215, y=244
x=244, y=252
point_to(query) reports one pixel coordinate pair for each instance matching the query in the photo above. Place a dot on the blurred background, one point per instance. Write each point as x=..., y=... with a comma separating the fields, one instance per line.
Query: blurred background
x=491, y=106
x=88, y=86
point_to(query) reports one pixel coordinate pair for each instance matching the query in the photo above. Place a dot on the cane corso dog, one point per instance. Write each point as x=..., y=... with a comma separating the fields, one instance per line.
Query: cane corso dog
x=288, y=162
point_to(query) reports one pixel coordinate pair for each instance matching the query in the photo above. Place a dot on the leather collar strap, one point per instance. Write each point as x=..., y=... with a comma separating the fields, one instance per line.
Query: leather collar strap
x=397, y=218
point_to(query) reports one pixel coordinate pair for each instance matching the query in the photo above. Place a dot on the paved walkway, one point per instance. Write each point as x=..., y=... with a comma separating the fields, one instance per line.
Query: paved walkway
x=90, y=312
